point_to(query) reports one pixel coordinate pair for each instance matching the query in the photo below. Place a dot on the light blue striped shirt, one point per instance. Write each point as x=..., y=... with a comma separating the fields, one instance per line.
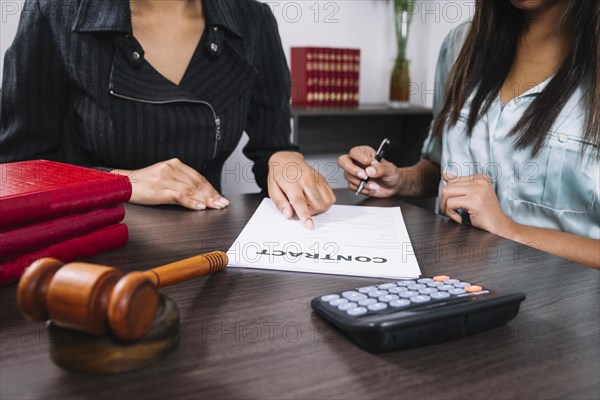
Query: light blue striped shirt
x=558, y=189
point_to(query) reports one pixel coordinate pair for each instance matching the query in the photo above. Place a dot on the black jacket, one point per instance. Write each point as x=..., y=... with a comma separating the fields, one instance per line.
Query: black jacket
x=78, y=58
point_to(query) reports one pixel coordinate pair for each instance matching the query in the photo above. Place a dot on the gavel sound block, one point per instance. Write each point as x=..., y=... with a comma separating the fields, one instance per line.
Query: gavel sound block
x=82, y=352
x=96, y=299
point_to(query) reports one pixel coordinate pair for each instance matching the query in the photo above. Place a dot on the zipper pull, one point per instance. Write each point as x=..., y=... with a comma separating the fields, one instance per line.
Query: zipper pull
x=218, y=124
x=217, y=136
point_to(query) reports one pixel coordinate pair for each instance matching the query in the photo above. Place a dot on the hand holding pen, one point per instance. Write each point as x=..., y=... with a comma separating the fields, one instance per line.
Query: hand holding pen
x=380, y=152
x=364, y=163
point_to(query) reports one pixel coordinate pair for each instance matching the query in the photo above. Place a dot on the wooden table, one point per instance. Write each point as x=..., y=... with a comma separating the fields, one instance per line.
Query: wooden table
x=252, y=334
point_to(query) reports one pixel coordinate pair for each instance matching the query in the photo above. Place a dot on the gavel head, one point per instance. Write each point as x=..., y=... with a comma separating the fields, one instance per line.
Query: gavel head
x=88, y=298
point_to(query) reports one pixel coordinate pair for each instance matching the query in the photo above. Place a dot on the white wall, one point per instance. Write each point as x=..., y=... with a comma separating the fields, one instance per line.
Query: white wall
x=364, y=24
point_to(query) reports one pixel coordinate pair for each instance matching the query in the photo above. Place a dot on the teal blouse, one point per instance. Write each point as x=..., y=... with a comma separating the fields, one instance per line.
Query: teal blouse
x=558, y=189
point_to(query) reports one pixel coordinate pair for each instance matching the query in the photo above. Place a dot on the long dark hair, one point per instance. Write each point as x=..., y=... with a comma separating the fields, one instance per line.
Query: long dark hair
x=488, y=55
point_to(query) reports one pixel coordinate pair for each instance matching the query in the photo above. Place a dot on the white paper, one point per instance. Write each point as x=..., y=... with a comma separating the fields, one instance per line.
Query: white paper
x=347, y=240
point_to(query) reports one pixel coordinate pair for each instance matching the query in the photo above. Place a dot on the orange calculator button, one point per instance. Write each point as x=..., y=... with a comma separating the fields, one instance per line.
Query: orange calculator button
x=473, y=289
x=441, y=278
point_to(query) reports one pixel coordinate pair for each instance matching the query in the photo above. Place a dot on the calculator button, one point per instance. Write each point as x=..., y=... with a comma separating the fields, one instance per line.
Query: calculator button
x=337, y=302
x=439, y=295
x=446, y=287
x=386, y=286
x=354, y=296
x=405, y=283
x=396, y=290
x=420, y=299
x=400, y=303
x=377, y=306
x=424, y=280
x=416, y=287
x=356, y=311
x=347, y=306
x=387, y=298
x=366, y=302
x=427, y=290
x=473, y=289
x=455, y=291
x=378, y=293
x=462, y=285
x=451, y=281
x=441, y=278
x=435, y=284
x=329, y=297
x=367, y=289
x=408, y=294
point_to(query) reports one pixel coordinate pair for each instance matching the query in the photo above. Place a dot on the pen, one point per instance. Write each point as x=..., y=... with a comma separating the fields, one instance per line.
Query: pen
x=380, y=152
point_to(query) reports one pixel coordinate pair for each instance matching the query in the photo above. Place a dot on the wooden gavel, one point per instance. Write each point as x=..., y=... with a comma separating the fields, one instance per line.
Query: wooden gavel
x=92, y=298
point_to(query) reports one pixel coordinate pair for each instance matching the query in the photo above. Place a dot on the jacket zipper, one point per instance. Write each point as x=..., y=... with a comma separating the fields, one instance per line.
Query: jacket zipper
x=215, y=116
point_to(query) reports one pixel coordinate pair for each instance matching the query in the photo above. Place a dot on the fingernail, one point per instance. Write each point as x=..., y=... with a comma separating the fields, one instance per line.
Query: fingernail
x=287, y=213
x=371, y=171
x=373, y=187
x=361, y=174
x=450, y=176
x=219, y=203
x=201, y=206
x=309, y=224
x=225, y=201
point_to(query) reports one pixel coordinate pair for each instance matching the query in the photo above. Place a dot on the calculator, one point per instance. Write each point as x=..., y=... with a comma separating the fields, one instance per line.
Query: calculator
x=410, y=313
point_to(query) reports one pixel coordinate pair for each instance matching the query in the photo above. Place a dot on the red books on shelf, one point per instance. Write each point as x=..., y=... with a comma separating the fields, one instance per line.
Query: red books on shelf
x=323, y=76
x=37, y=190
x=88, y=245
x=35, y=236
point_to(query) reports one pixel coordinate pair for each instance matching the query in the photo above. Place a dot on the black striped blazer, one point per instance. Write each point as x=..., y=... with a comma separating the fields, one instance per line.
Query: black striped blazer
x=78, y=58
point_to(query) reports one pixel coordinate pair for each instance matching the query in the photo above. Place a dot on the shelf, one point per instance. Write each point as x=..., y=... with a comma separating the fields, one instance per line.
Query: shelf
x=363, y=109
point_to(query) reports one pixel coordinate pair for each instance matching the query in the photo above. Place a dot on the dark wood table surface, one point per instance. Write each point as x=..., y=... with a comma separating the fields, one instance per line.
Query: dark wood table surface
x=252, y=334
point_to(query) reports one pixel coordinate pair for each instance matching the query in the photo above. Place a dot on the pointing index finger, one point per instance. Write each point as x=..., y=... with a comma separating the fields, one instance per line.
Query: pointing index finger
x=298, y=201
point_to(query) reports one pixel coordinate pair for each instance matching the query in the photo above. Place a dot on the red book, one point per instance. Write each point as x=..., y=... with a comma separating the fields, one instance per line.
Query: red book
x=27, y=238
x=38, y=190
x=319, y=96
x=338, y=86
x=88, y=245
x=329, y=91
x=347, y=77
x=304, y=64
x=355, y=77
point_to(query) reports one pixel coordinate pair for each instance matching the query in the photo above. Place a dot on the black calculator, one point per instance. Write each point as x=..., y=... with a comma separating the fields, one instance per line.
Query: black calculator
x=410, y=313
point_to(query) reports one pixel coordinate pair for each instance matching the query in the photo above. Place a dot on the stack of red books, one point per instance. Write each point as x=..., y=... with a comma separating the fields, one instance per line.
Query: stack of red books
x=325, y=77
x=50, y=209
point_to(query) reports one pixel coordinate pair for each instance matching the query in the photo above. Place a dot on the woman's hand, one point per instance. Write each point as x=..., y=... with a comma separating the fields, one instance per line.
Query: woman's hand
x=384, y=177
x=475, y=195
x=173, y=182
x=295, y=186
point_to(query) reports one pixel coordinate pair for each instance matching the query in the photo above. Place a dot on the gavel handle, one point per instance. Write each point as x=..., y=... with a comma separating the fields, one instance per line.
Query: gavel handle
x=187, y=269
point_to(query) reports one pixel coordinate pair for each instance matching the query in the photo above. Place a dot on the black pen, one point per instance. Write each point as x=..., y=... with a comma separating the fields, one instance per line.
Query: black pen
x=380, y=152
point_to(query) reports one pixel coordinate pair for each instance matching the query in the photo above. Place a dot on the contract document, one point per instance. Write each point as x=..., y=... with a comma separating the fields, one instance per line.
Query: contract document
x=347, y=240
